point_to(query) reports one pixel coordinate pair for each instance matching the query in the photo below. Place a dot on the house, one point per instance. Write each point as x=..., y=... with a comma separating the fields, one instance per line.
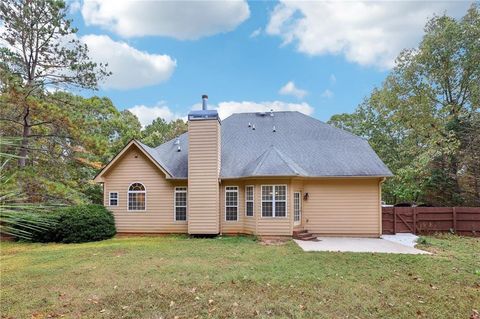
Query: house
x=268, y=173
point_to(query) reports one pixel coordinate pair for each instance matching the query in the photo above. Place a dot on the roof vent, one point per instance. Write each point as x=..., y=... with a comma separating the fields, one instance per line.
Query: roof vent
x=271, y=112
x=249, y=124
x=274, y=129
x=204, y=101
x=253, y=127
x=179, y=149
x=177, y=141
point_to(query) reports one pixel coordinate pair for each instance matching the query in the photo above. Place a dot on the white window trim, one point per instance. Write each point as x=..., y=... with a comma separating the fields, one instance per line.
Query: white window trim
x=175, y=204
x=128, y=197
x=273, y=201
x=252, y=200
x=110, y=199
x=236, y=189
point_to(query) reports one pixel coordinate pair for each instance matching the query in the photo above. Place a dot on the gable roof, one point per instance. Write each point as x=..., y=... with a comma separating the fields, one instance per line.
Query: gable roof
x=149, y=152
x=300, y=146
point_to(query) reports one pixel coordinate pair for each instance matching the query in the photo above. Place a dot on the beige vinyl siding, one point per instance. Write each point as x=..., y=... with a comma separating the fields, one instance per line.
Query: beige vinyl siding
x=233, y=227
x=203, y=173
x=272, y=226
x=249, y=224
x=342, y=207
x=158, y=217
x=264, y=226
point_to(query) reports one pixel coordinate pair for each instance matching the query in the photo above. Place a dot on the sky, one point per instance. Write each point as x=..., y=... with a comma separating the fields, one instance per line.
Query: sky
x=319, y=58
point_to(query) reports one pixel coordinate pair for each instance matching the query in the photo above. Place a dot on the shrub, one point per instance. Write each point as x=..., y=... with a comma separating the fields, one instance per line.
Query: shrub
x=77, y=224
x=423, y=241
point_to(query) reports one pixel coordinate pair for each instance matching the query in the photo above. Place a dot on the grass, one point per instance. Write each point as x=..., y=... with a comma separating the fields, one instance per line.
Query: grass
x=235, y=277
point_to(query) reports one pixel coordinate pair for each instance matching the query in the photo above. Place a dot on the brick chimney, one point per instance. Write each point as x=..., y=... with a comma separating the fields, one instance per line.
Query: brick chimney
x=203, y=171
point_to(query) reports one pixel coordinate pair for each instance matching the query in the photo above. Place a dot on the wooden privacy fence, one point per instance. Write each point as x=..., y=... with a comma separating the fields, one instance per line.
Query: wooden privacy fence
x=427, y=220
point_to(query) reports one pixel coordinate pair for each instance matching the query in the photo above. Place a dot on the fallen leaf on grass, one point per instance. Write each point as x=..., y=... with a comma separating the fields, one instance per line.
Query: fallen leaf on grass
x=102, y=311
x=210, y=301
x=172, y=303
x=125, y=307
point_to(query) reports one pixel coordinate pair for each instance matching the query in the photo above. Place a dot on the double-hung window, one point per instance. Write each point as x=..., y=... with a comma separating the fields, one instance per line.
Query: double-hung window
x=274, y=201
x=231, y=203
x=180, y=203
x=113, y=199
x=249, y=204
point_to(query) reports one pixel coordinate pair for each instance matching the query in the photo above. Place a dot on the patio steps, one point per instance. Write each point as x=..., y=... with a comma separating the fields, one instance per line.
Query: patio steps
x=304, y=235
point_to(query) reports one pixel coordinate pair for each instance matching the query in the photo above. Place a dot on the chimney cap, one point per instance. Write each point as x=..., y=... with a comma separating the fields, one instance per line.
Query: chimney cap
x=204, y=96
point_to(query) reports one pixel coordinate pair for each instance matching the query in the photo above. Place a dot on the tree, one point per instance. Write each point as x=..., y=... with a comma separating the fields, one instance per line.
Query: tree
x=424, y=120
x=42, y=52
x=159, y=131
x=82, y=135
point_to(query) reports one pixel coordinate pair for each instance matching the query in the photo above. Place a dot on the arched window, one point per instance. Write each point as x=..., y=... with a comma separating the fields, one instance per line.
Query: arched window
x=137, y=197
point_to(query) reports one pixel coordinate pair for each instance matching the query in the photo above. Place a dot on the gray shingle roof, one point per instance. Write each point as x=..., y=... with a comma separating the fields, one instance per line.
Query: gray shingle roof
x=300, y=146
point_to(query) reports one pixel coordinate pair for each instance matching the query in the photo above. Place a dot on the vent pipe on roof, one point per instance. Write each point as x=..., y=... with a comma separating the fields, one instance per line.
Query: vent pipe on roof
x=253, y=127
x=249, y=124
x=177, y=141
x=179, y=149
x=204, y=101
x=274, y=129
x=271, y=112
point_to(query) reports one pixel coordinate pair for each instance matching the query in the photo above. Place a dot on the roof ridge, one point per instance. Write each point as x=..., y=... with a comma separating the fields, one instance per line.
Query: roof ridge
x=284, y=158
x=262, y=159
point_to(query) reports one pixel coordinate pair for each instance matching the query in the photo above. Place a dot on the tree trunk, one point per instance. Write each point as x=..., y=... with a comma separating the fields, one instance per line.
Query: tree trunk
x=25, y=135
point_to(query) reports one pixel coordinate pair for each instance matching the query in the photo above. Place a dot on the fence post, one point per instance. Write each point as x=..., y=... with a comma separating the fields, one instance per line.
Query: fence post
x=415, y=220
x=454, y=215
x=394, y=221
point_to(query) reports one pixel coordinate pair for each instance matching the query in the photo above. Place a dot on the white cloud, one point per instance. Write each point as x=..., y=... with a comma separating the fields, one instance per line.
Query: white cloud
x=225, y=109
x=328, y=94
x=367, y=33
x=256, y=33
x=333, y=79
x=131, y=68
x=183, y=20
x=146, y=114
x=291, y=89
x=74, y=6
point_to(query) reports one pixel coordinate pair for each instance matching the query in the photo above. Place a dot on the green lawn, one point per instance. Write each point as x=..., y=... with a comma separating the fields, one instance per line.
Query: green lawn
x=235, y=277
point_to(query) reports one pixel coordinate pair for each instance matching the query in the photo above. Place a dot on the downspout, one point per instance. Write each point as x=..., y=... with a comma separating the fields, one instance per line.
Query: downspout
x=380, y=214
x=220, y=224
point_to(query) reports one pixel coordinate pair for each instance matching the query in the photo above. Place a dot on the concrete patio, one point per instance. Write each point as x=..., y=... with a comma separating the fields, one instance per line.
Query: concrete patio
x=361, y=245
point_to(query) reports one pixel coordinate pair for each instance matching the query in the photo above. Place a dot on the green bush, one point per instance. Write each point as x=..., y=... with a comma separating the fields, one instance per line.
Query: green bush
x=77, y=224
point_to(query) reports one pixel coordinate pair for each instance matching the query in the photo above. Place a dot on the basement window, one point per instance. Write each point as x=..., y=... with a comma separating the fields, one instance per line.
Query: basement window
x=274, y=201
x=113, y=199
x=231, y=203
x=137, y=197
x=249, y=200
x=180, y=203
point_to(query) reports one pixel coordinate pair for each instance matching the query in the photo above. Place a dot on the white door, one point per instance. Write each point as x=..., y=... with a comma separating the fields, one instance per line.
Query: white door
x=297, y=208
